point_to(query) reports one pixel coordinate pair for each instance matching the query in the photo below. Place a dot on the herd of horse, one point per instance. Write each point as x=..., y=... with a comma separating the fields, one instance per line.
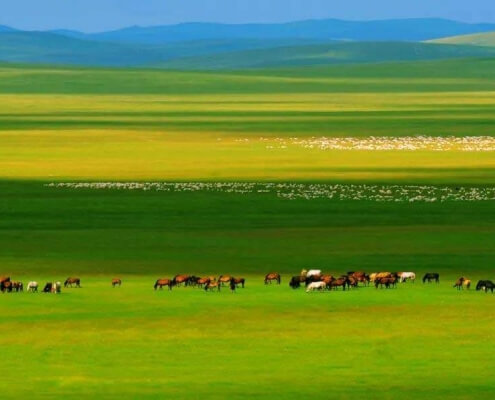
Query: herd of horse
x=313, y=280
x=208, y=283
x=8, y=286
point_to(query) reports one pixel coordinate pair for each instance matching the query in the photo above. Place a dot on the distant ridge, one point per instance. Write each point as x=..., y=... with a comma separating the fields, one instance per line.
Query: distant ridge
x=4, y=28
x=328, y=29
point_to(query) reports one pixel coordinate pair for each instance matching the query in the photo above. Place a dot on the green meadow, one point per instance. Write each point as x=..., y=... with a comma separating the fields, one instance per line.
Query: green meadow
x=61, y=124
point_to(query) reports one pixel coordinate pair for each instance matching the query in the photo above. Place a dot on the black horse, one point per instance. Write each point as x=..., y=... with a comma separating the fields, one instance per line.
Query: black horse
x=48, y=288
x=431, y=277
x=295, y=282
x=486, y=286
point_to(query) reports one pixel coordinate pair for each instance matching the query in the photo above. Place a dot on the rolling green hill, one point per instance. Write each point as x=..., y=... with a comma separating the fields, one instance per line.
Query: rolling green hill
x=333, y=53
x=51, y=48
x=478, y=39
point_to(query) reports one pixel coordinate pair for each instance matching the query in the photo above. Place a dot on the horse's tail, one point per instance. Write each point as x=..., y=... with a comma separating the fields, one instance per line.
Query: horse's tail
x=279, y=279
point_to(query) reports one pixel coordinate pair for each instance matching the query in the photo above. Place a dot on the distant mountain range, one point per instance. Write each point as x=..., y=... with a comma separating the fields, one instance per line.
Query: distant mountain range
x=216, y=46
x=329, y=29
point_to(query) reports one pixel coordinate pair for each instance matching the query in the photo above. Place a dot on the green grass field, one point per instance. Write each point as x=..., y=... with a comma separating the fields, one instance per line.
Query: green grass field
x=71, y=125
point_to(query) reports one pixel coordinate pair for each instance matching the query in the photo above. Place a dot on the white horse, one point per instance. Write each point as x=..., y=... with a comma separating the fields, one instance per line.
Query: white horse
x=56, y=287
x=407, y=275
x=32, y=287
x=313, y=272
x=316, y=286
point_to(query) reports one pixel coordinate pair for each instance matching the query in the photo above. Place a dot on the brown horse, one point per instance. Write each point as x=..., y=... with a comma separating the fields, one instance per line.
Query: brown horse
x=116, y=282
x=181, y=279
x=328, y=279
x=273, y=277
x=212, y=286
x=388, y=282
x=224, y=279
x=342, y=281
x=72, y=281
x=238, y=281
x=361, y=277
x=201, y=282
x=160, y=283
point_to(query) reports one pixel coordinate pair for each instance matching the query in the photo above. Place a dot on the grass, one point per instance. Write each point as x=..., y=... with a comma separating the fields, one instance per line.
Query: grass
x=263, y=342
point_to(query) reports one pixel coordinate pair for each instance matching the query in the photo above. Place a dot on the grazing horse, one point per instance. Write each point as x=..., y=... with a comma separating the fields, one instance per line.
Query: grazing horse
x=238, y=281
x=467, y=283
x=160, y=283
x=56, y=287
x=72, y=281
x=233, y=285
x=312, y=278
x=313, y=272
x=6, y=286
x=405, y=276
x=212, y=286
x=181, y=279
x=32, y=287
x=486, y=286
x=224, y=279
x=48, y=287
x=327, y=279
x=459, y=284
x=342, y=281
x=272, y=277
x=17, y=286
x=295, y=282
x=320, y=286
x=203, y=281
x=360, y=277
x=431, y=276
x=388, y=282
x=116, y=282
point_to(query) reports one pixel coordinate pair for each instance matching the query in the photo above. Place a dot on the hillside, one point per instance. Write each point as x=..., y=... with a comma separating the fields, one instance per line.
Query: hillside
x=327, y=29
x=333, y=53
x=51, y=48
x=479, y=39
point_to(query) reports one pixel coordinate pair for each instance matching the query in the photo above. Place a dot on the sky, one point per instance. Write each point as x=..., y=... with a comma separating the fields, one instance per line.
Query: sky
x=101, y=15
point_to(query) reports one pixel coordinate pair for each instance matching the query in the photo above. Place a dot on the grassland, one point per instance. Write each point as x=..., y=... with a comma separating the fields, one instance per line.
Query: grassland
x=418, y=341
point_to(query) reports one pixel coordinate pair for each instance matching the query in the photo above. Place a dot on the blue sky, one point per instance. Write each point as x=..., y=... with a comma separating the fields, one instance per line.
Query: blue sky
x=98, y=15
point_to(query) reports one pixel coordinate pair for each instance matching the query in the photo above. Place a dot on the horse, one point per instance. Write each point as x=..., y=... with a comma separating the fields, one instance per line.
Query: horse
x=238, y=281
x=485, y=285
x=360, y=277
x=327, y=279
x=295, y=282
x=459, y=284
x=6, y=286
x=212, y=286
x=203, y=281
x=272, y=277
x=48, y=287
x=313, y=272
x=233, y=285
x=32, y=287
x=342, y=281
x=311, y=279
x=431, y=276
x=181, y=279
x=405, y=276
x=17, y=286
x=72, y=281
x=320, y=286
x=388, y=282
x=160, y=283
x=56, y=287
x=116, y=282
x=224, y=279
x=467, y=283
